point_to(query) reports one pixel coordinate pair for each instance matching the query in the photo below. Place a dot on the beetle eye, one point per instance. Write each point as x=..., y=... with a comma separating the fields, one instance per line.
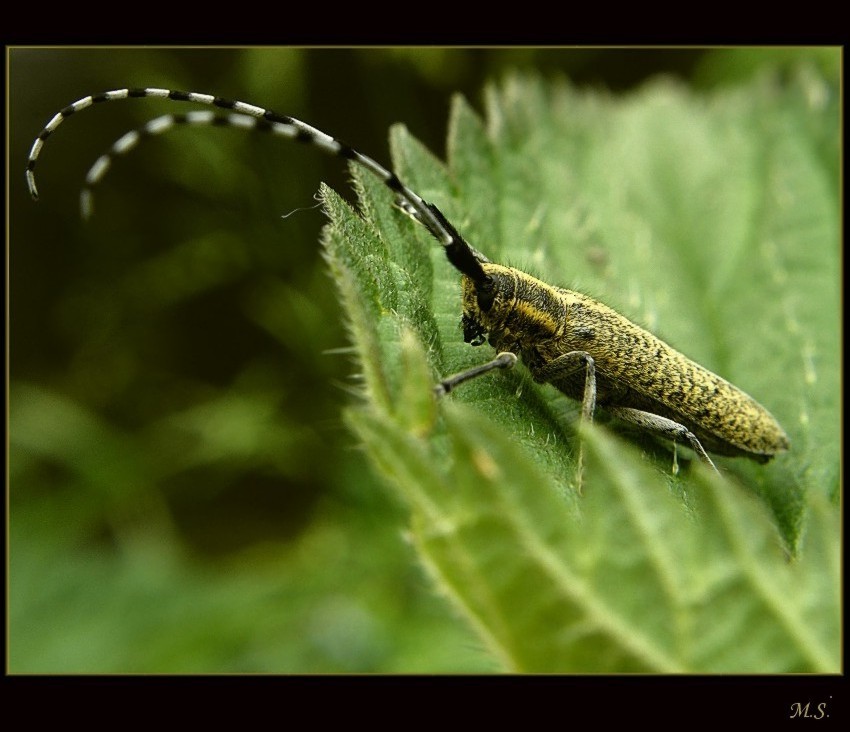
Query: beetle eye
x=485, y=299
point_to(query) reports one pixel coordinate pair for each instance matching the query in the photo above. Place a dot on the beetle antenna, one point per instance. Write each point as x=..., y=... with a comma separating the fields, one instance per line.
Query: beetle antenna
x=461, y=255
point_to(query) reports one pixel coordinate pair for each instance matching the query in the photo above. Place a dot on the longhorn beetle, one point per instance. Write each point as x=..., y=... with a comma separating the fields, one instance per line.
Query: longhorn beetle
x=583, y=348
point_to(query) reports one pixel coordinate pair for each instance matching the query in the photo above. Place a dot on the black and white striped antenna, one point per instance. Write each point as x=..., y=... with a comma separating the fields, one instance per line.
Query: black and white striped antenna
x=249, y=116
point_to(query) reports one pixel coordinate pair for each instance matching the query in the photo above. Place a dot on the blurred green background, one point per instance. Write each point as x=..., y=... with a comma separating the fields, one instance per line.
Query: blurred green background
x=183, y=494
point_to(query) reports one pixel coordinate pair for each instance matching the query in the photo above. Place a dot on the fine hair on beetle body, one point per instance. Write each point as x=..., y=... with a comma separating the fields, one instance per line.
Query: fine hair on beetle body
x=577, y=344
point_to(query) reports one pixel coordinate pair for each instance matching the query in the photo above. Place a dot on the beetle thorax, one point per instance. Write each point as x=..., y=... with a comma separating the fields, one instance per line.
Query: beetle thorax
x=520, y=310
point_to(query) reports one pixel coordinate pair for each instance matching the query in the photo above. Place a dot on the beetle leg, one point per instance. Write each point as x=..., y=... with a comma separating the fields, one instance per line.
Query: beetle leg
x=504, y=360
x=664, y=427
x=565, y=364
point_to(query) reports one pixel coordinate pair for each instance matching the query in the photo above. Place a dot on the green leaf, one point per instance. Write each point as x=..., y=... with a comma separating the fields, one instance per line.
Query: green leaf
x=635, y=582
x=713, y=220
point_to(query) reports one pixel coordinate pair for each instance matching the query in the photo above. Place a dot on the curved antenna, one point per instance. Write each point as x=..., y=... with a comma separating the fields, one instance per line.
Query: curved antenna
x=458, y=251
x=157, y=126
